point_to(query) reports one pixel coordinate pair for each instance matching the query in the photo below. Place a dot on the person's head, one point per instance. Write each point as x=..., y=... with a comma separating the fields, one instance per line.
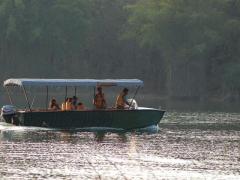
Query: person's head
x=53, y=101
x=99, y=89
x=69, y=99
x=125, y=91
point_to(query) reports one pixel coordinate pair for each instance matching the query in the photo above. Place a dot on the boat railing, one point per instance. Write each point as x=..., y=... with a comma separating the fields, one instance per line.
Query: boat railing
x=51, y=110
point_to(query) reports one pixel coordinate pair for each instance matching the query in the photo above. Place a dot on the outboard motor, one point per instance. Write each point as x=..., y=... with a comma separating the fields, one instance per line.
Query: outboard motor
x=8, y=113
x=8, y=110
x=133, y=103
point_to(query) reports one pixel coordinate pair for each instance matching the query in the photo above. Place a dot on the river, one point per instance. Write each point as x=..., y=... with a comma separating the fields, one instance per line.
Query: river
x=186, y=146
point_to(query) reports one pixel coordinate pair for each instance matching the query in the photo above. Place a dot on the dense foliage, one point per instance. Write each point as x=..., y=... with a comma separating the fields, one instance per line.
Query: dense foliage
x=181, y=48
x=199, y=41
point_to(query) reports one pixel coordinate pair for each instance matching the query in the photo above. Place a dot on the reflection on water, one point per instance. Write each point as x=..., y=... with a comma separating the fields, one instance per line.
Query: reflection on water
x=187, y=146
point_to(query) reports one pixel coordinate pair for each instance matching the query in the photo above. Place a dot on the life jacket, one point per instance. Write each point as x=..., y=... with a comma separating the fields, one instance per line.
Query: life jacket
x=99, y=101
x=68, y=106
x=120, y=101
x=63, y=106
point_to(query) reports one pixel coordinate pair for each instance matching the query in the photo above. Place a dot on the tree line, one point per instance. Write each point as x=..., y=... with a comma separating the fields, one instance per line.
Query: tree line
x=182, y=49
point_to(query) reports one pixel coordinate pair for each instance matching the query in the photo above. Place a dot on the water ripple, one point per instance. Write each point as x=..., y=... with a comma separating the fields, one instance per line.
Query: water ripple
x=205, y=148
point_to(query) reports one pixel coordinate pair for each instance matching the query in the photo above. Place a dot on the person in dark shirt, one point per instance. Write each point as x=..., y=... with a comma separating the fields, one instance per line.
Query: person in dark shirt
x=53, y=105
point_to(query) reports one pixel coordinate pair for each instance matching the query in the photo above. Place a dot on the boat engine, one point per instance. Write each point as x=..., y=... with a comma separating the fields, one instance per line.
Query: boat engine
x=8, y=110
x=8, y=113
x=133, y=103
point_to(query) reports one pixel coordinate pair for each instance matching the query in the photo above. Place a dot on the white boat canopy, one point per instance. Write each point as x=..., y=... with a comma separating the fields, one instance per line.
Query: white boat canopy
x=74, y=82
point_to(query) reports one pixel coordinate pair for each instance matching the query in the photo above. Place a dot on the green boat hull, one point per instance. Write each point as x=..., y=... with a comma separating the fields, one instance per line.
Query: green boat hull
x=125, y=119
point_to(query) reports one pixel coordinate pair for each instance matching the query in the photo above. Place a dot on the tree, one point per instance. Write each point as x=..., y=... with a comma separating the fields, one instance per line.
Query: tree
x=188, y=33
x=43, y=33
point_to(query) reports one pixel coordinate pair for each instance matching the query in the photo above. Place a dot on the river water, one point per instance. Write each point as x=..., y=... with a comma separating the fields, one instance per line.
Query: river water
x=187, y=146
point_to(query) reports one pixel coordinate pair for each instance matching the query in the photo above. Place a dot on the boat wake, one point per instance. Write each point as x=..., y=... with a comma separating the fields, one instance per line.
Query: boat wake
x=9, y=127
x=150, y=129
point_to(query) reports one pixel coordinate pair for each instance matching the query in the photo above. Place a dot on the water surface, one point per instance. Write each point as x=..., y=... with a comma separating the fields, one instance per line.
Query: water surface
x=187, y=146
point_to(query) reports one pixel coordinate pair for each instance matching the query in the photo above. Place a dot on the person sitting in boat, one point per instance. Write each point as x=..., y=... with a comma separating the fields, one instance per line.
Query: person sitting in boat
x=53, y=105
x=121, y=101
x=63, y=108
x=99, y=99
x=80, y=106
x=69, y=105
x=74, y=102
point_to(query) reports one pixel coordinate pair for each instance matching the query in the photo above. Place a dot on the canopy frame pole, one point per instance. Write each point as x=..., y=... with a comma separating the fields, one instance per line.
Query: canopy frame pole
x=66, y=92
x=26, y=97
x=94, y=94
x=33, y=101
x=47, y=98
x=9, y=96
x=134, y=97
x=75, y=91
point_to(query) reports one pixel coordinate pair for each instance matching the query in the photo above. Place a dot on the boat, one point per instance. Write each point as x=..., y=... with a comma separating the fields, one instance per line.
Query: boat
x=133, y=117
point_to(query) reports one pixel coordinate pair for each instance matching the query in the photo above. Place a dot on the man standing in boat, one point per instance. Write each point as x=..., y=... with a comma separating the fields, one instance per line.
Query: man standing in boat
x=99, y=99
x=122, y=99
